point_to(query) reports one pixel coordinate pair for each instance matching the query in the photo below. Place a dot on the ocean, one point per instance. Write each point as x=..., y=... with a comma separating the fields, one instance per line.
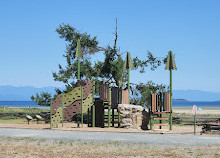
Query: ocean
x=19, y=104
x=197, y=103
x=175, y=104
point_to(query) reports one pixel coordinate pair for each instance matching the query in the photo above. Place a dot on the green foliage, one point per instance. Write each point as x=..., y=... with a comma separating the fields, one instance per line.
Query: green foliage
x=43, y=99
x=22, y=110
x=145, y=90
x=111, y=68
x=89, y=46
x=150, y=61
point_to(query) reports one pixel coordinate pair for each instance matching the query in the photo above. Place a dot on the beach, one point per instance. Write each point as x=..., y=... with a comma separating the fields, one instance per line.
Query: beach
x=205, y=110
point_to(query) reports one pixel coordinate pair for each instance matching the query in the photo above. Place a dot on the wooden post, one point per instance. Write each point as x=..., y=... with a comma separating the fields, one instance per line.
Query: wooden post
x=109, y=104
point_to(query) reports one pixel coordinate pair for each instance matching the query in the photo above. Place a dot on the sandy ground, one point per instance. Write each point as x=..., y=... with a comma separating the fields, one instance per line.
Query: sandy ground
x=205, y=110
x=73, y=127
x=165, y=129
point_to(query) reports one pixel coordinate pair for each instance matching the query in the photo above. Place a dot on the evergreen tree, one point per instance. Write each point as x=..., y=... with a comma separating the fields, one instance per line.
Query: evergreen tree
x=110, y=69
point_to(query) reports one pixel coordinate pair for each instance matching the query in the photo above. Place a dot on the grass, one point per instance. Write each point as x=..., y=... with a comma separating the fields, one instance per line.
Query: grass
x=12, y=112
x=24, y=147
x=23, y=110
x=18, y=120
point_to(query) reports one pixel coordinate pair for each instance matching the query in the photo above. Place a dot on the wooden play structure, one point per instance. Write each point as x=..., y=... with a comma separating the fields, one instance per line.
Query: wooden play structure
x=84, y=99
x=160, y=106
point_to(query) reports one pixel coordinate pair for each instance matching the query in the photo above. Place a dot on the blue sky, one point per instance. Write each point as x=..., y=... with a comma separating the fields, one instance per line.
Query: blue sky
x=31, y=49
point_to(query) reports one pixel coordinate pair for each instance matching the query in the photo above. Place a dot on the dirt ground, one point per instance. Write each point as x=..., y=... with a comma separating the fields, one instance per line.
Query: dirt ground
x=23, y=147
x=73, y=126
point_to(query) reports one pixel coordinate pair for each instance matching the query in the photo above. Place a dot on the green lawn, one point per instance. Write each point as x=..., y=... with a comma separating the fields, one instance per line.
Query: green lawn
x=23, y=110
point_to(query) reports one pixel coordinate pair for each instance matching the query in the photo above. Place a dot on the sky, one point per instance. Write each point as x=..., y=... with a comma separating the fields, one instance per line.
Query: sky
x=31, y=49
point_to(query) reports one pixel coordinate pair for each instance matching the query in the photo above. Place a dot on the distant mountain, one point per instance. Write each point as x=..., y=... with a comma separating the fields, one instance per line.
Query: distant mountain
x=11, y=93
x=196, y=95
x=180, y=100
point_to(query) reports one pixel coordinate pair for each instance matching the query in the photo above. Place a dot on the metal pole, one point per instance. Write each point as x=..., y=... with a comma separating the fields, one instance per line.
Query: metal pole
x=171, y=101
x=62, y=110
x=93, y=106
x=160, y=104
x=103, y=82
x=82, y=106
x=195, y=123
x=151, y=121
x=119, y=100
x=78, y=72
x=88, y=119
x=128, y=85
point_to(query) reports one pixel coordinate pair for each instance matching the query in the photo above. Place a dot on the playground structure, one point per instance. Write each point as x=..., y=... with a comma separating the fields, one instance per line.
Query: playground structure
x=159, y=106
x=82, y=100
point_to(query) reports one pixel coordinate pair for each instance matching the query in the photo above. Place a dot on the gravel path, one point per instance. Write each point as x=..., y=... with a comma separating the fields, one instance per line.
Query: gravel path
x=153, y=139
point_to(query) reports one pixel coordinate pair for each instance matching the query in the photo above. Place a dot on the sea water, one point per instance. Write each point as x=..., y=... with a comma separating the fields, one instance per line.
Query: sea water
x=19, y=104
x=197, y=103
x=175, y=104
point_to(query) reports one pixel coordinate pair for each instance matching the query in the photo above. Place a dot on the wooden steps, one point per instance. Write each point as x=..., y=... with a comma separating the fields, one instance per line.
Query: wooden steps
x=163, y=112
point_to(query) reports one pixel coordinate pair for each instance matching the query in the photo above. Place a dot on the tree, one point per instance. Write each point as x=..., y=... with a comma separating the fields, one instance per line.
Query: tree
x=145, y=89
x=43, y=99
x=110, y=69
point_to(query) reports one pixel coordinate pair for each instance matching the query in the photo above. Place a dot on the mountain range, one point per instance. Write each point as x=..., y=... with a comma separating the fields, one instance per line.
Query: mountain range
x=196, y=95
x=11, y=93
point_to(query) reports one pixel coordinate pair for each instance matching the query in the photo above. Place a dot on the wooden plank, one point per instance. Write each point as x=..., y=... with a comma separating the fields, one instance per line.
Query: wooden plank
x=163, y=112
x=166, y=100
x=125, y=97
x=154, y=102
x=161, y=118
